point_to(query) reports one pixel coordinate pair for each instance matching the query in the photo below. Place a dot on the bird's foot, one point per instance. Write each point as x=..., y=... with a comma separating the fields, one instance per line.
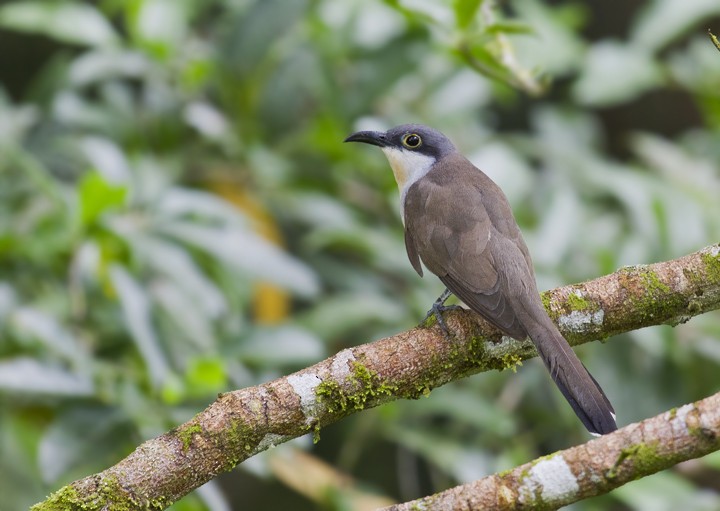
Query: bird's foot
x=438, y=307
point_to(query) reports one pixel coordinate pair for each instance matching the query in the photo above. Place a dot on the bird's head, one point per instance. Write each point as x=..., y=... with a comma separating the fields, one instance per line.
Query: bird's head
x=411, y=149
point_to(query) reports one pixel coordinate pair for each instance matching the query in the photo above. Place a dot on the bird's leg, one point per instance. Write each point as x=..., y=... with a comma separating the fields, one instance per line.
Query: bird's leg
x=438, y=307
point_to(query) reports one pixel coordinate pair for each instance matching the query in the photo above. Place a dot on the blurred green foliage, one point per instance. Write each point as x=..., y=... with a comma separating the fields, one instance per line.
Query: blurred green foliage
x=148, y=147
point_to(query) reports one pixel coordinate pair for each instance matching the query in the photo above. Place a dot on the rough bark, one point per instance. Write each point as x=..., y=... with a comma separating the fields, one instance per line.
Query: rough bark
x=244, y=422
x=590, y=469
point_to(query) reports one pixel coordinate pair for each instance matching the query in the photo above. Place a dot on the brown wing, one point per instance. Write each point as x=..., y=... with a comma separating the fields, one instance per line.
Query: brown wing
x=412, y=253
x=452, y=232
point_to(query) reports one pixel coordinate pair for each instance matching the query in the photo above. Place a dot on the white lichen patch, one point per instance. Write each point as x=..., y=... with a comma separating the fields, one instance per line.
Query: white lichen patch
x=579, y=321
x=714, y=251
x=550, y=479
x=507, y=345
x=269, y=441
x=340, y=367
x=304, y=386
x=679, y=418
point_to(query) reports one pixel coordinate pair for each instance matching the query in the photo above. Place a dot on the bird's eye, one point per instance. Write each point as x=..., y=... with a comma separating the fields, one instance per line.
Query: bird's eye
x=412, y=141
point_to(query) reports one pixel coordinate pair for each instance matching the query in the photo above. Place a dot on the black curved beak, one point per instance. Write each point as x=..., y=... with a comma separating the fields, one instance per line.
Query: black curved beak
x=369, y=137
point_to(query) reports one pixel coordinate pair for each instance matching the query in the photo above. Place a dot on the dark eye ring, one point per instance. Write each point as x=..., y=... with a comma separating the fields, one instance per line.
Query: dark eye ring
x=412, y=141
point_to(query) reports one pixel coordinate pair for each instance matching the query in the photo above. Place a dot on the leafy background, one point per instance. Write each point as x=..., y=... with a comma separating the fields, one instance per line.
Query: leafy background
x=179, y=217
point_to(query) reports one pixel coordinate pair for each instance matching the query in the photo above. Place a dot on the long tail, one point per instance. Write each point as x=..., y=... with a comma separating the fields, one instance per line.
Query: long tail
x=578, y=386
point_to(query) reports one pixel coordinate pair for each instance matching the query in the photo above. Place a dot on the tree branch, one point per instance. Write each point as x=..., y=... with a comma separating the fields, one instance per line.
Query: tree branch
x=590, y=469
x=244, y=422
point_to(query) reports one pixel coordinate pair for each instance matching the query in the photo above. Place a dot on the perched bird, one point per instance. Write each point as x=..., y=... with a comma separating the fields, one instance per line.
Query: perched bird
x=459, y=224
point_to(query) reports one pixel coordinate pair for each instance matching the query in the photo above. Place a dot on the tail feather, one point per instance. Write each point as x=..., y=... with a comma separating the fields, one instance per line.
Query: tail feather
x=580, y=389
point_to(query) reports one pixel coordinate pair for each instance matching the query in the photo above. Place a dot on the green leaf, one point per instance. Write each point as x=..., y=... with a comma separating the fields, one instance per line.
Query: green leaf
x=206, y=375
x=345, y=313
x=70, y=22
x=556, y=46
x=50, y=332
x=25, y=375
x=273, y=346
x=257, y=29
x=163, y=20
x=76, y=436
x=173, y=390
x=177, y=203
x=137, y=310
x=487, y=62
x=213, y=496
x=107, y=157
x=664, y=491
x=184, y=274
x=248, y=252
x=465, y=11
x=182, y=308
x=509, y=27
x=464, y=462
x=598, y=84
x=663, y=21
x=104, y=64
x=98, y=196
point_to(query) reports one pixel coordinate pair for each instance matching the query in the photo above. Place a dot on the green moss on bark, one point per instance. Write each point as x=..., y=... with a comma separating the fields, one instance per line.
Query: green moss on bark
x=107, y=495
x=652, y=298
x=711, y=260
x=546, y=297
x=577, y=302
x=65, y=499
x=642, y=458
x=362, y=384
x=186, y=434
x=242, y=439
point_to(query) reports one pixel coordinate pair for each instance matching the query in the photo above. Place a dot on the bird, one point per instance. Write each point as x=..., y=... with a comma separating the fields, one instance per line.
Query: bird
x=459, y=223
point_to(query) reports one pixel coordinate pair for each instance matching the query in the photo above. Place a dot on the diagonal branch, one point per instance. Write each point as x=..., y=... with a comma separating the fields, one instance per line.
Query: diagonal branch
x=244, y=422
x=590, y=469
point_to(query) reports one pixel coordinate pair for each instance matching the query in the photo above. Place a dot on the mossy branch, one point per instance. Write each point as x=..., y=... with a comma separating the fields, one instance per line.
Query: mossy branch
x=590, y=469
x=244, y=422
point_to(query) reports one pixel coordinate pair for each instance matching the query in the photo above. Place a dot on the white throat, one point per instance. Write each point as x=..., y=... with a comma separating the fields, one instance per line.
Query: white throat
x=408, y=167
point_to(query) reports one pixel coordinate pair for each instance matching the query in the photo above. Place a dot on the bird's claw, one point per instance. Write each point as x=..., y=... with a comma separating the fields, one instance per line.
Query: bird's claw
x=438, y=307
